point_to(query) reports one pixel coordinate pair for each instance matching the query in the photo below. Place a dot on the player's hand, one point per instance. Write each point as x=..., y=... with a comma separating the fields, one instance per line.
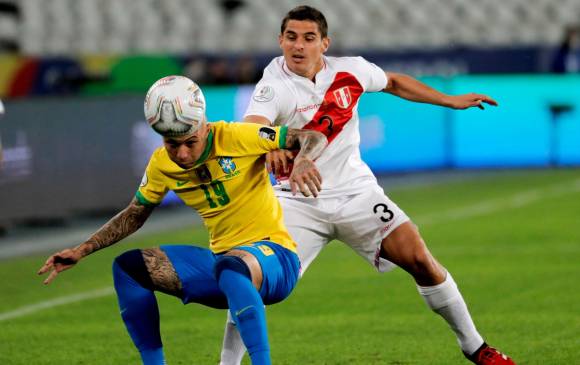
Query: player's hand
x=58, y=262
x=470, y=100
x=305, y=177
x=279, y=161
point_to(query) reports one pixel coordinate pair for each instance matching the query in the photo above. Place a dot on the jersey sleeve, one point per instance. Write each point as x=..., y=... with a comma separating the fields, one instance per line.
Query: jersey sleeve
x=152, y=189
x=269, y=100
x=245, y=139
x=372, y=76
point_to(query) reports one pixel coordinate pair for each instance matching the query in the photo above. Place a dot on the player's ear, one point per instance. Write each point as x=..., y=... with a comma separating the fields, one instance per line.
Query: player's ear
x=280, y=38
x=325, y=44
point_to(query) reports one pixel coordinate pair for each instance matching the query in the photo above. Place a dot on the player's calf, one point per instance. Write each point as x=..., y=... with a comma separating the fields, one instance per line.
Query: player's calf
x=246, y=305
x=138, y=305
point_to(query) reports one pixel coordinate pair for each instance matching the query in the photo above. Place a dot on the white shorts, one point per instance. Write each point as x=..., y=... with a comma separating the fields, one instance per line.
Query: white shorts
x=361, y=221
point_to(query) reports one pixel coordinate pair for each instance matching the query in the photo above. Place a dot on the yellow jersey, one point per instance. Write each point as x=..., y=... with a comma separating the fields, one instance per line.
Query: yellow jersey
x=228, y=186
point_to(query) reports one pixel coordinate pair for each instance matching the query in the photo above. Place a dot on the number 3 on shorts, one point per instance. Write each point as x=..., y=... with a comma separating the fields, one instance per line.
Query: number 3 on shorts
x=384, y=213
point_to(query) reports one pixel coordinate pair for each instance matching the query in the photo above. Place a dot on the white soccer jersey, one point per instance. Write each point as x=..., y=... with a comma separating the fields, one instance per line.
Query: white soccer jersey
x=330, y=105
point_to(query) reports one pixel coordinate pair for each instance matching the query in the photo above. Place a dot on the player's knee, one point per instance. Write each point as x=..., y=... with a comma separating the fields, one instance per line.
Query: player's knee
x=132, y=263
x=422, y=261
x=249, y=313
x=230, y=262
x=425, y=269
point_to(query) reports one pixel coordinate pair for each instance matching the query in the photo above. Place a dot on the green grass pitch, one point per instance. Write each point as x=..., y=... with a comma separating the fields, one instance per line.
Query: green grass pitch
x=511, y=241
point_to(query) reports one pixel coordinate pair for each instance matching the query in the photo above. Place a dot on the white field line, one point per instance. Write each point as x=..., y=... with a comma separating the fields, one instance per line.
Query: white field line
x=514, y=201
x=33, y=308
x=490, y=206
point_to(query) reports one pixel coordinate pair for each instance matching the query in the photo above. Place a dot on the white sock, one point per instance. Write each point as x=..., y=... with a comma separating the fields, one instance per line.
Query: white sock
x=233, y=348
x=446, y=300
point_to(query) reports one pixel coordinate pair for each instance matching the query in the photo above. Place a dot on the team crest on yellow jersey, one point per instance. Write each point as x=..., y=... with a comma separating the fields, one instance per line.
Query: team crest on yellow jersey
x=228, y=166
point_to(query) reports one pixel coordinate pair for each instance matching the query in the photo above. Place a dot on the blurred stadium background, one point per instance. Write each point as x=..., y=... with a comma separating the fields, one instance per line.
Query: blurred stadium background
x=73, y=74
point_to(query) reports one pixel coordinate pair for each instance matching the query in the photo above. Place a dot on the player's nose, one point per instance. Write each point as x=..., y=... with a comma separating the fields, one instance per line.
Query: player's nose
x=183, y=153
x=299, y=44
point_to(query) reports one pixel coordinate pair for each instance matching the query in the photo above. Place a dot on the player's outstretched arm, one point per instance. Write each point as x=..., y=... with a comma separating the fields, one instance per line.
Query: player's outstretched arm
x=305, y=175
x=409, y=88
x=120, y=226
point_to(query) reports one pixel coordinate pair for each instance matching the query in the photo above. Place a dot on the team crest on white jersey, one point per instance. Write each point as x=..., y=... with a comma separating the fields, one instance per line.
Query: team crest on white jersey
x=343, y=97
x=266, y=93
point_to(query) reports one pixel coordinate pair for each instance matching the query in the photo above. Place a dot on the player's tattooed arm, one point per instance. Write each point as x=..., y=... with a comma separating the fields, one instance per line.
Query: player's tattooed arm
x=305, y=175
x=120, y=226
x=311, y=143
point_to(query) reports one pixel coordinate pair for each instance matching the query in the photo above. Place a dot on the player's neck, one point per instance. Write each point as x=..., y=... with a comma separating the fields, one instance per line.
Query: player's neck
x=317, y=69
x=311, y=74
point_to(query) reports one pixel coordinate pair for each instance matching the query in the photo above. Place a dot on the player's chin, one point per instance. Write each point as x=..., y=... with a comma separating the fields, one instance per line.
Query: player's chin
x=298, y=63
x=185, y=166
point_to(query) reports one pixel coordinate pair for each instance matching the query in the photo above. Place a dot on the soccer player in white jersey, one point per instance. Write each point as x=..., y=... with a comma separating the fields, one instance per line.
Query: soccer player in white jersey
x=305, y=89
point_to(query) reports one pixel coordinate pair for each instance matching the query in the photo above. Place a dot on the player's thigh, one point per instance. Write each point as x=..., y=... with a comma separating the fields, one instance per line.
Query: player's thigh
x=161, y=271
x=308, y=225
x=364, y=220
x=280, y=269
x=195, y=268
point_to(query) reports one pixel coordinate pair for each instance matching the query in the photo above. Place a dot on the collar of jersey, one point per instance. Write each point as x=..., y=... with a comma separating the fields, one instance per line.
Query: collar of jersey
x=207, y=149
x=291, y=73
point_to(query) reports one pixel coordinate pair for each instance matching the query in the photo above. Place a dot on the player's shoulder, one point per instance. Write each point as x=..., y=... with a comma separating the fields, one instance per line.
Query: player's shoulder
x=218, y=126
x=159, y=159
x=222, y=127
x=274, y=83
x=225, y=132
x=275, y=68
x=347, y=62
x=159, y=153
x=275, y=74
x=221, y=131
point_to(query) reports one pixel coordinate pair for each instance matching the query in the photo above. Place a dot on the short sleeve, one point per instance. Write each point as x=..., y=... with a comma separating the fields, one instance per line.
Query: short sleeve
x=152, y=189
x=372, y=76
x=244, y=139
x=268, y=100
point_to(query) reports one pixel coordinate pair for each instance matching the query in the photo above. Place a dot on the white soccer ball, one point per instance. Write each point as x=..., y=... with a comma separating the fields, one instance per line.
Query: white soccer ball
x=174, y=106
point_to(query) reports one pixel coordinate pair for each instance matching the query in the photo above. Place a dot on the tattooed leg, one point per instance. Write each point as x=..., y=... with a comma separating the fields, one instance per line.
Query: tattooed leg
x=162, y=272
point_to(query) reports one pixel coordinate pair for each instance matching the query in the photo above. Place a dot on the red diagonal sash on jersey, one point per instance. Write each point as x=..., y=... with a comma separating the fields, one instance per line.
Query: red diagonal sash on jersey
x=336, y=108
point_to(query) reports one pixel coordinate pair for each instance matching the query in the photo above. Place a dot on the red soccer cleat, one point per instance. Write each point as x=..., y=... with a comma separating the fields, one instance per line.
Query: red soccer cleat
x=487, y=355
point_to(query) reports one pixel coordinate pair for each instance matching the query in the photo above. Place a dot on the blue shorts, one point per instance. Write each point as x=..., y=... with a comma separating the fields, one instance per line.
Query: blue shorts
x=195, y=268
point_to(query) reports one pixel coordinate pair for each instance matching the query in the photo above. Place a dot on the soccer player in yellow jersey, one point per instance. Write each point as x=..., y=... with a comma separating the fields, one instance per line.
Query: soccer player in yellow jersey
x=217, y=169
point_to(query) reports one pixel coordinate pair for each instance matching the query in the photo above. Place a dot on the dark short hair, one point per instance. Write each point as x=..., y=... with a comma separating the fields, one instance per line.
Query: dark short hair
x=305, y=12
